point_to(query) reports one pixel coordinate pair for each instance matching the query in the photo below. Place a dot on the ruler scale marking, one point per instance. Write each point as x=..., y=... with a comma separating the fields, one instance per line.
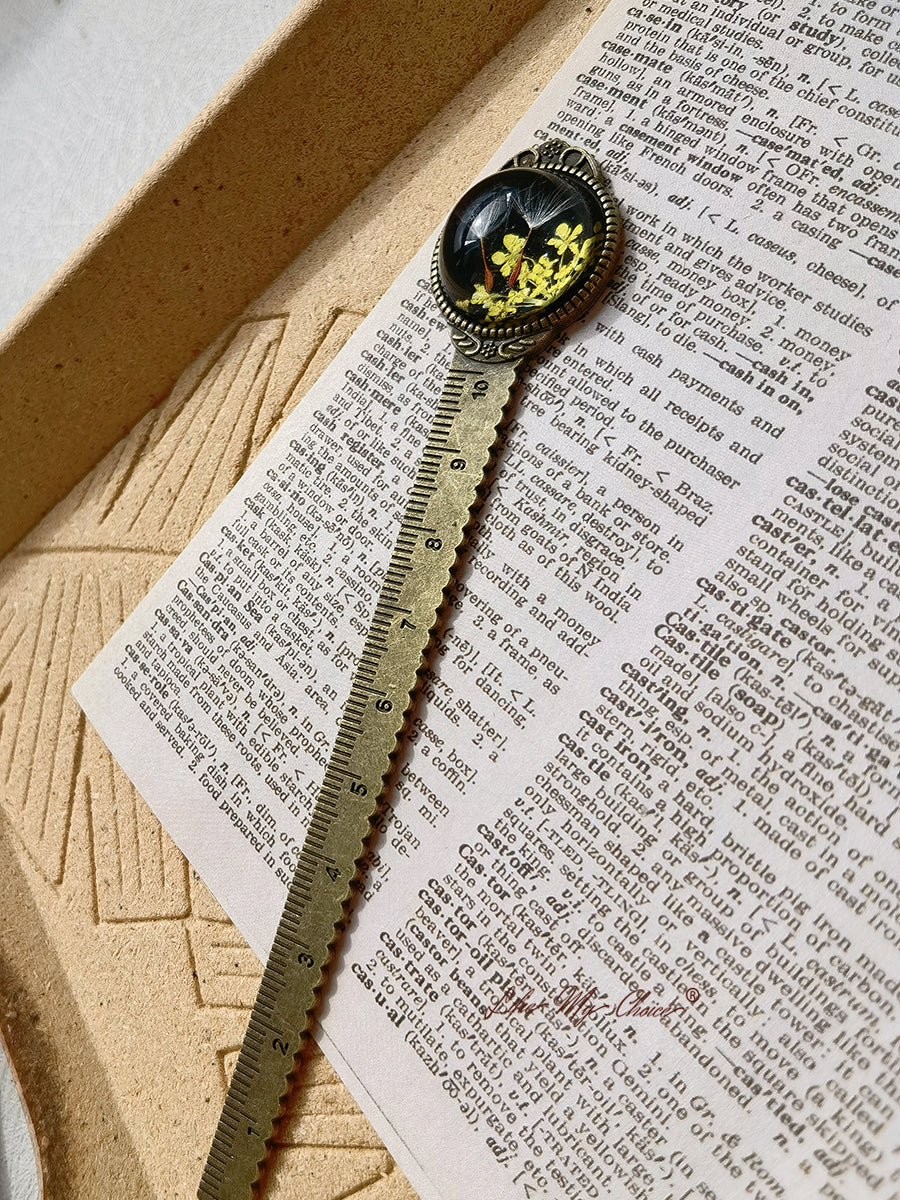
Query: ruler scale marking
x=431, y=532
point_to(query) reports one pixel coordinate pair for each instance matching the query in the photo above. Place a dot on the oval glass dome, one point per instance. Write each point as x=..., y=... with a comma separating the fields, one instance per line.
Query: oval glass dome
x=518, y=244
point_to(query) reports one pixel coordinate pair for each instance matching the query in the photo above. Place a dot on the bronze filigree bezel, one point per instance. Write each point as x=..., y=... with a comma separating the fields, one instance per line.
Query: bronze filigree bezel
x=516, y=338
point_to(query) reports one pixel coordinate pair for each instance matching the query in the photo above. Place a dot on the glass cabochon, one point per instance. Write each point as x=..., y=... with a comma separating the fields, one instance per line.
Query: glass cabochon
x=518, y=243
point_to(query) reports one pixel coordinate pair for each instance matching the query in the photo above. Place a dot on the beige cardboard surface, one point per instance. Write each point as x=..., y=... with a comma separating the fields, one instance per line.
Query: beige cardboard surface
x=312, y=118
x=125, y=991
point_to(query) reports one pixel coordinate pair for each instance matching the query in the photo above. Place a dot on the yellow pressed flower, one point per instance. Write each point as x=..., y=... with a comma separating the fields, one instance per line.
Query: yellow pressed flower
x=581, y=254
x=496, y=306
x=539, y=279
x=481, y=295
x=508, y=259
x=533, y=282
x=566, y=238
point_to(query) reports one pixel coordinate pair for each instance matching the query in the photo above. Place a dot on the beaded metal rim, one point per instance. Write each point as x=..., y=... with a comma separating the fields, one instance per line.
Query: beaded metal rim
x=550, y=158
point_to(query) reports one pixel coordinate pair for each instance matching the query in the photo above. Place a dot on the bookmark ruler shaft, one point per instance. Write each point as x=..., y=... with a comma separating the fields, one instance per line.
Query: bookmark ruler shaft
x=452, y=470
x=525, y=252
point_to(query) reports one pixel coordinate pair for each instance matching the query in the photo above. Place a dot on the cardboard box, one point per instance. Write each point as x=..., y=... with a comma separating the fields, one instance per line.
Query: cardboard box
x=328, y=159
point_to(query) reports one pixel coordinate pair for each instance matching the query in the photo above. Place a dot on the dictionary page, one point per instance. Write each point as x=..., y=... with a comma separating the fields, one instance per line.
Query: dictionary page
x=630, y=927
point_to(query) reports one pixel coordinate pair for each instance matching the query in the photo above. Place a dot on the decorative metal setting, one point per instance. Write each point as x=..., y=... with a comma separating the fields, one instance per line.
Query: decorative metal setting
x=525, y=252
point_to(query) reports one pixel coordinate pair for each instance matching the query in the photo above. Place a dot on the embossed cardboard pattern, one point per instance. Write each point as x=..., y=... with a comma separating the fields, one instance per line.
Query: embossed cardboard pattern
x=124, y=989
